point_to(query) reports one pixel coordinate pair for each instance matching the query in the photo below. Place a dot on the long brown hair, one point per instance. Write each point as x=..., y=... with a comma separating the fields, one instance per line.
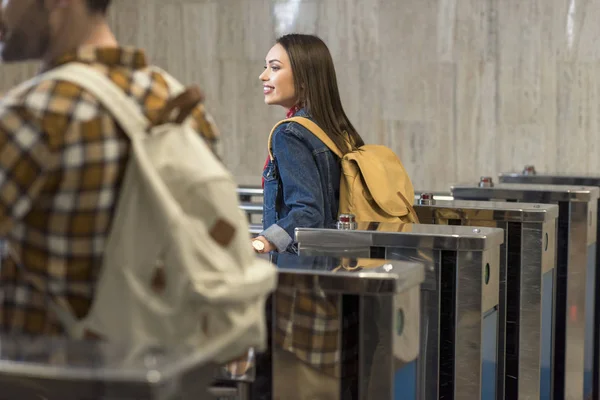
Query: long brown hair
x=317, y=90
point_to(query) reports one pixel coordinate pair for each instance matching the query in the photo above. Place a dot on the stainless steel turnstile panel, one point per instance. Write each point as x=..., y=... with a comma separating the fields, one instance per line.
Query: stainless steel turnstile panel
x=370, y=308
x=592, y=375
x=460, y=296
x=576, y=249
x=57, y=369
x=527, y=260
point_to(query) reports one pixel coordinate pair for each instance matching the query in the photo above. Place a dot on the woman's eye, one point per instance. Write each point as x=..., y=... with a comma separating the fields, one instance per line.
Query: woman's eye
x=275, y=68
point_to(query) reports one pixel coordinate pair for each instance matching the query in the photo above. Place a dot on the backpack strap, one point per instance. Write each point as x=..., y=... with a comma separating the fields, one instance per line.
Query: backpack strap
x=313, y=128
x=411, y=210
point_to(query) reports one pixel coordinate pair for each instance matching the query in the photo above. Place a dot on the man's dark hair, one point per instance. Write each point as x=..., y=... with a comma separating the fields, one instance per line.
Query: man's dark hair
x=98, y=6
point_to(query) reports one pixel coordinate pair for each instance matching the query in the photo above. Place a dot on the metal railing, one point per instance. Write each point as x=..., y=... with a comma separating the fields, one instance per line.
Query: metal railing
x=252, y=208
x=246, y=193
x=251, y=204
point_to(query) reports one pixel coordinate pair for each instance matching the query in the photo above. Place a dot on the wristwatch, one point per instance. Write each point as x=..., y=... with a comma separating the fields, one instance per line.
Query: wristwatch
x=258, y=245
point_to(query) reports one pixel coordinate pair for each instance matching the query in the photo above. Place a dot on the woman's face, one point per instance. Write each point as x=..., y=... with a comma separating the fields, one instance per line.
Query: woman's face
x=277, y=78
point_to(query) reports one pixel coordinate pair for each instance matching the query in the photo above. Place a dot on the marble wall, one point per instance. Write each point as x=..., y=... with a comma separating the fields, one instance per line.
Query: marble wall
x=458, y=88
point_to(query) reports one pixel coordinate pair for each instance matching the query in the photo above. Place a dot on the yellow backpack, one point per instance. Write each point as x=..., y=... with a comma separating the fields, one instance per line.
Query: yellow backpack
x=374, y=186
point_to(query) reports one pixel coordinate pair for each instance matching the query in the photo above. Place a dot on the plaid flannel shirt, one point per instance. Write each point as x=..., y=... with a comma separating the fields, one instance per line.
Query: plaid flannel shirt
x=308, y=322
x=62, y=161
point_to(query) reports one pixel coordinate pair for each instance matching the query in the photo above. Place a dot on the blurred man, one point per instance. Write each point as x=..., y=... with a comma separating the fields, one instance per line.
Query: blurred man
x=63, y=157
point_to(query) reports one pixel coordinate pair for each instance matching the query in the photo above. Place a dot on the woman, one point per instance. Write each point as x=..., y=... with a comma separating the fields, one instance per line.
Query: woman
x=301, y=183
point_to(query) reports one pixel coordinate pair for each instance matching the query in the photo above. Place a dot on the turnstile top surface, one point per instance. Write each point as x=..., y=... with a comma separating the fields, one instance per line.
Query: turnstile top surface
x=551, y=179
x=493, y=211
x=347, y=275
x=439, y=237
x=60, y=359
x=534, y=193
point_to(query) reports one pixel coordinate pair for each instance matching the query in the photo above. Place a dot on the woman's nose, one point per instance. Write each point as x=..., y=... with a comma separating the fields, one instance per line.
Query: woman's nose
x=264, y=76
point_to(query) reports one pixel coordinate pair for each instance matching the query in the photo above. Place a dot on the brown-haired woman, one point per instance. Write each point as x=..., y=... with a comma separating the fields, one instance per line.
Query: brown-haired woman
x=302, y=181
x=301, y=189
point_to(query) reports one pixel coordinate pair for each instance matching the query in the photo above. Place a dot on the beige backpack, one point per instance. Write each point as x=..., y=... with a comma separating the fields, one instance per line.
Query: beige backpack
x=177, y=215
x=374, y=186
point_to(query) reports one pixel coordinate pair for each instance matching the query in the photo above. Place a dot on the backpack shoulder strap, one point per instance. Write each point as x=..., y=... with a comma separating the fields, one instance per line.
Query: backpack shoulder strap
x=412, y=213
x=121, y=107
x=313, y=128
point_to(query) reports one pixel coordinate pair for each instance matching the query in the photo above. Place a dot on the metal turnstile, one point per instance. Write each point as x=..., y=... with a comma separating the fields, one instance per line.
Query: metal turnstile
x=575, y=272
x=460, y=296
x=529, y=176
x=526, y=299
x=345, y=328
x=58, y=369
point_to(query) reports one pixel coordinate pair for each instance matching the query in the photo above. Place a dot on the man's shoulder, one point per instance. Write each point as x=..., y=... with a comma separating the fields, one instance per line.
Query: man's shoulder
x=46, y=98
x=56, y=104
x=40, y=98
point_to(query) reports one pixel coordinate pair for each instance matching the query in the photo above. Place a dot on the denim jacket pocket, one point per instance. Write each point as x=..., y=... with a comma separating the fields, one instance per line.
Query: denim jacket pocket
x=271, y=189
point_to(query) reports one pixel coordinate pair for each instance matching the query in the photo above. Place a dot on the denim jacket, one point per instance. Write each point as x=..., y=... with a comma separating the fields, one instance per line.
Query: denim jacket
x=302, y=185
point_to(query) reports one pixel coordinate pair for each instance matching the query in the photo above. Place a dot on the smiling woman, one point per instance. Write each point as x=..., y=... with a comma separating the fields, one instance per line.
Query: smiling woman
x=278, y=79
x=302, y=179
